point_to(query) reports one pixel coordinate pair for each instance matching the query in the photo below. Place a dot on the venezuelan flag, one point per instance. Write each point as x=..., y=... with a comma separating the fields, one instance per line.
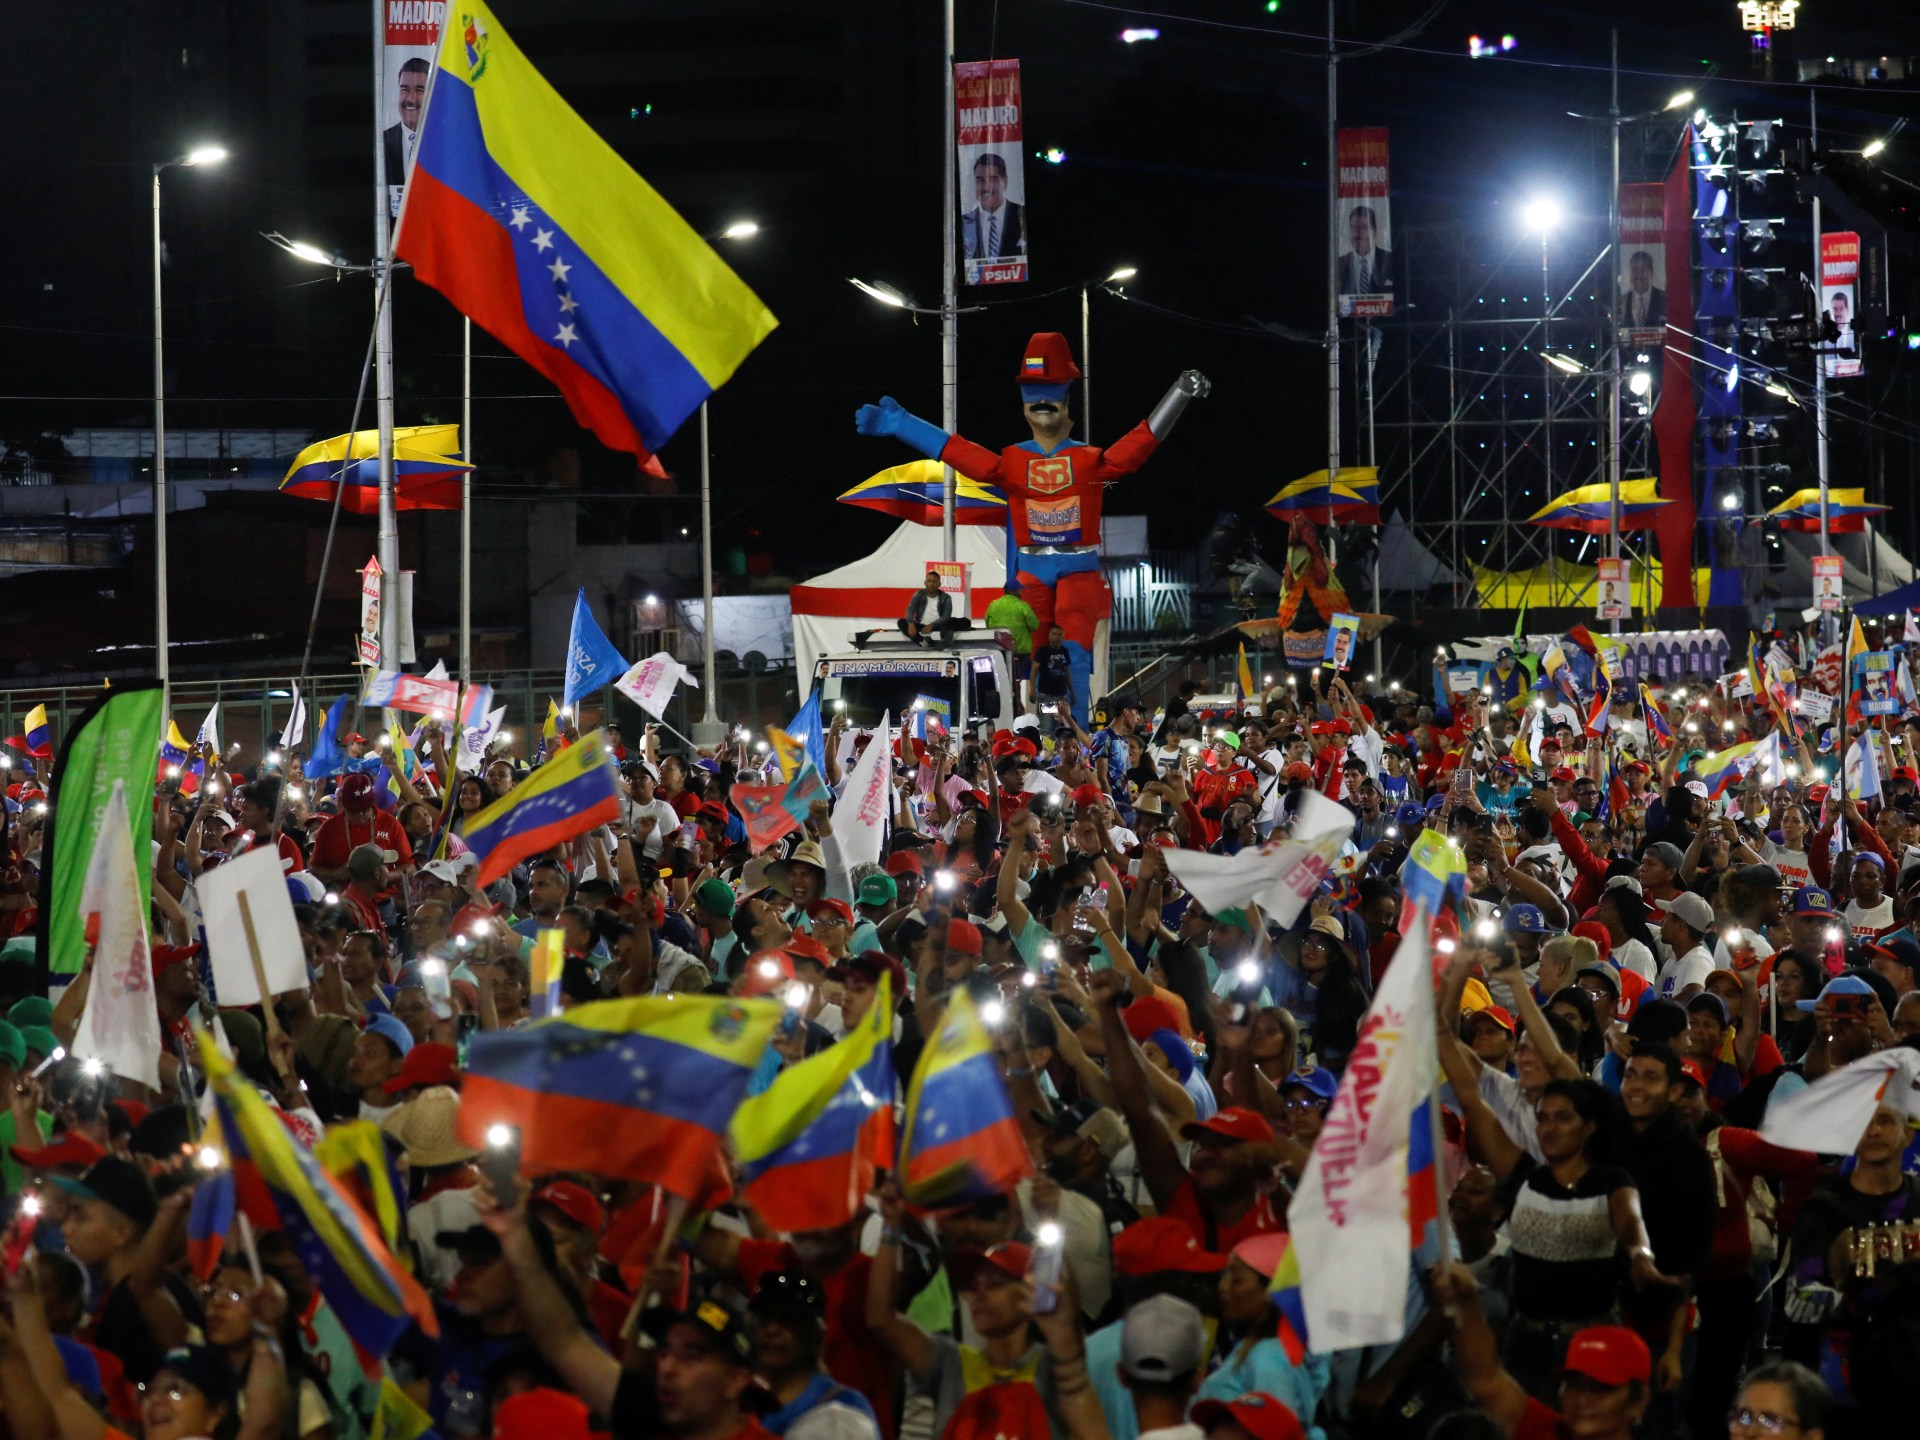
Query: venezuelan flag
x=374, y=1296
x=1600, y=713
x=961, y=1142
x=1722, y=769
x=547, y=965
x=534, y=228
x=1847, y=511
x=809, y=1145
x=916, y=491
x=425, y=474
x=550, y=727
x=788, y=752
x=38, y=741
x=1657, y=726
x=1560, y=673
x=1435, y=871
x=356, y=1155
x=214, y=1202
x=1589, y=508
x=638, y=1089
x=397, y=1417
x=1245, y=675
x=1285, y=1289
x=574, y=791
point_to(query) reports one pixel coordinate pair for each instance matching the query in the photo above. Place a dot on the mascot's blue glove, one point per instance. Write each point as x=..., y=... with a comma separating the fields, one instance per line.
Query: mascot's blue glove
x=890, y=417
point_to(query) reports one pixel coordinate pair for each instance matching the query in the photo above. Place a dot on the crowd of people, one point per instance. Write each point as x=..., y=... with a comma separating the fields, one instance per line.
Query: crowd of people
x=1651, y=955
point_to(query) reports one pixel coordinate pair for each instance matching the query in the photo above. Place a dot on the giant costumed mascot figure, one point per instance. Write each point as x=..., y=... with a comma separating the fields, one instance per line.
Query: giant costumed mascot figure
x=1053, y=485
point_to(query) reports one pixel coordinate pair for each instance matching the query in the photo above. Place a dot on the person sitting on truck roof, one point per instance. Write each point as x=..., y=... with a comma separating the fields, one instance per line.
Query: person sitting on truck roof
x=916, y=624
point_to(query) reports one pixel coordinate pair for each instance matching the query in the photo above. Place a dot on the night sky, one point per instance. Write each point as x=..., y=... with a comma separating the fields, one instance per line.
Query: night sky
x=1199, y=158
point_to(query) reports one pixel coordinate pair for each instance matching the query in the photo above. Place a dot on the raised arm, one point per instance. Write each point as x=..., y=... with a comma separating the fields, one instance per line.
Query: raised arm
x=1560, y=1065
x=899, y=1336
x=1475, y=1349
x=1154, y=1150
x=589, y=1372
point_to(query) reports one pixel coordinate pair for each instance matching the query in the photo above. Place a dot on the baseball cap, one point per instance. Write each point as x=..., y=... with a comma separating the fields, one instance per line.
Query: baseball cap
x=1666, y=852
x=1693, y=1070
x=1900, y=948
x=878, y=890
x=542, y=1414
x=1626, y=882
x=1256, y=1412
x=1323, y=1083
x=827, y=905
x=1162, y=1339
x=574, y=1201
x=1410, y=815
x=1691, y=908
x=1526, y=919
x=1008, y=1258
x=1839, y=985
x=205, y=1369
x=1711, y=1003
x=366, y=859
x=766, y=971
x=392, y=1031
x=963, y=937
x=721, y=1325
x=356, y=790
x=1498, y=1014
x=1087, y=795
x=116, y=1183
x=905, y=862
x=1610, y=1354
x=1812, y=900
x=1605, y=971
x=1233, y=1123
x=791, y=1293
x=441, y=870
x=1163, y=1244
x=715, y=895
x=874, y=963
x=427, y=1063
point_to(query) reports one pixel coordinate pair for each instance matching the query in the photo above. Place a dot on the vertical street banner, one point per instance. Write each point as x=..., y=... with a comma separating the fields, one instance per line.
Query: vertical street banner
x=1367, y=273
x=1616, y=586
x=1828, y=582
x=1641, y=278
x=410, y=33
x=1839, y=289
x=993, y=179
x=367, y=640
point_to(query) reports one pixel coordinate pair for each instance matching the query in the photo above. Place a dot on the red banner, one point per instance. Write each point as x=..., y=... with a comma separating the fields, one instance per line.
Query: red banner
x=993, y=175
x=1673, y=416
x=1839, y=292
x=1365, y=263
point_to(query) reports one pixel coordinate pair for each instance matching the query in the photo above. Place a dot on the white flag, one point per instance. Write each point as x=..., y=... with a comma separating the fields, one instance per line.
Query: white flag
x=120, y=1026
x=1373, y=1177
x=649, y=684
x=209, y=731
x=296, y=730
x=1829, y=1116
x=1769, y=763
x=1863, y=771
x=860, y=814
x=1910, y=632
x=439, y=671
x=475, y=739
x=243, y=905
x=1279, y=876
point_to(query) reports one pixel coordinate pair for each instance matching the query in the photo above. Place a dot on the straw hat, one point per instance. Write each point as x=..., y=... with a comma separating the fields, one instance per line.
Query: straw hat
x=424, y=1126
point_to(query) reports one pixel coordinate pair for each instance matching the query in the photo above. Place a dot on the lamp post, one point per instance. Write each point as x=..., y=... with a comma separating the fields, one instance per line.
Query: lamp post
x=1125, y=272
x=199, y=156
x=1542, y=213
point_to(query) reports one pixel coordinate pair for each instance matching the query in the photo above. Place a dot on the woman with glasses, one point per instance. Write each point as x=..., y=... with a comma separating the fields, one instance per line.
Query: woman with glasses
x=1780, y=1399
x=241, y=1309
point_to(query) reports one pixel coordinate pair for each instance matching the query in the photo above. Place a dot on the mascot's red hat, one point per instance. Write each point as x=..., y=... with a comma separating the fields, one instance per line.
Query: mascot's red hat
x=1046, y=368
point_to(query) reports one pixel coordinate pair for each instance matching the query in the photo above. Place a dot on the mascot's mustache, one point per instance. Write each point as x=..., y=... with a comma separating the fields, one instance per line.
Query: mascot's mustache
x=1044, y=407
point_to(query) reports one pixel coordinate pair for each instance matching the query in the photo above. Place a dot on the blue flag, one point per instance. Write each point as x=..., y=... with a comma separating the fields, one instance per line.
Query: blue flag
x=329, y=755
x=807, y=729
x=592, y=662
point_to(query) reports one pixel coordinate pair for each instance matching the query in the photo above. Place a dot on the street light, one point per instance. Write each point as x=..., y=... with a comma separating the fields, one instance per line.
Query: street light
x=740, y=230
x=886, y=294
x=199, y=156
x=1123, y=273
x=1541, y=213
x=1872, y=148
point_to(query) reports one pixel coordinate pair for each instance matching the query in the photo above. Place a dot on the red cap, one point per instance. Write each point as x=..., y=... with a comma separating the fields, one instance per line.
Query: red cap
x=1642, y=766
x=805, y=947
x=829, y=906
x=1906, y=772
x=1498, y=1014
x=72, y=1148
x=711, y=810
x=875, y=963
x=1696, y=1072
x=1256, y=1412
x=1148, y=1247
x=543, y=1415
x=1299, y=770
x=356, y=792
x=1009, y=1258
x=963, y=937
x=574, y=1201
x=766, y=971
x=428, y=1063
x=356, y=738
x=1047, y=360
x=1597, y=933
x=1611, y=1354
x=1236, y=1122
x=1563, y=775
x=905, y=862
x=132, y=1109
x=1087, y=795
x=1817, y=793
x=1148, y=1014
x=165, y=957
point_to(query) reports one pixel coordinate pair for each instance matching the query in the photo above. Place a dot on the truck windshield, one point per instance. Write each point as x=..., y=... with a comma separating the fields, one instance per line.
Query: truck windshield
x=865, y=689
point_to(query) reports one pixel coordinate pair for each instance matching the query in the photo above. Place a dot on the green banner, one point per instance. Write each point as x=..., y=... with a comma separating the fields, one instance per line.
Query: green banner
x=117, y=738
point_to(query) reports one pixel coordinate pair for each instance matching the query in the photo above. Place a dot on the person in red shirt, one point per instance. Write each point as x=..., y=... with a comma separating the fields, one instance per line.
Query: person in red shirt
x=358, y=823
x=1604, y=1384
x=259, y=814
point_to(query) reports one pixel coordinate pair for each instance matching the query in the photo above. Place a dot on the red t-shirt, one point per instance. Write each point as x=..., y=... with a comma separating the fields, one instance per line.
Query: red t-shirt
x=343, y=832
x=1186, y=1205
x=1540, y=1423
x=852, y=1354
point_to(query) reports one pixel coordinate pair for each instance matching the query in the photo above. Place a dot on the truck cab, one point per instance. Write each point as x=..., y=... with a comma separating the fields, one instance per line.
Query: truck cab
x=967, y=686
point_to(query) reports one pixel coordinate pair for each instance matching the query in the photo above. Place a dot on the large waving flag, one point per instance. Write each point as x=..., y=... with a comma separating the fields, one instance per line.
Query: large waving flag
x=281, y=1185
x=961, y=1142
x=916, y=491
x=808, y=1146
x=535, y=229
x=1559, y=674
x=1657, y=726
x=329, y=756
x=1281, y=875
x=356, y=1155
x=1589, y=508
x=1370, y=1188
x=1722, y=769
x=38, y=741
x=1829, y=1116
x=426, y=476
x=575, y=790
x=592, y=661
x=806, y=727
x=638, y=1089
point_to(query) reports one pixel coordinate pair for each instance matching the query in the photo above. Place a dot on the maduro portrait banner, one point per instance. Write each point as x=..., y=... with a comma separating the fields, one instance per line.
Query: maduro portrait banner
x=1839, y=290
x=1641, y=278
x=993, y=179
x=410, y=32
x=1364, y=219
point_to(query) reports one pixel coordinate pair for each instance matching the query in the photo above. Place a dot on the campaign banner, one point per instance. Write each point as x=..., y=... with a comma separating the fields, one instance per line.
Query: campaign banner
x=1827, y=581
x=1874, y=685
x=1813, y=705
x=1363, y=216
x=1839, y=289
x=419, y=694
x=367, y=642
x=1616, y=588
x=993, y=177
x=1343, y=633
x=410, y=35
x=1641, y=280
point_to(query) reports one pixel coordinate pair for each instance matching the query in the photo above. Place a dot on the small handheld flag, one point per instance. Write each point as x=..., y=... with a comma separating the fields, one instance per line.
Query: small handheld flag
x=961, y=1141
x=592, y=661
x=574, y=791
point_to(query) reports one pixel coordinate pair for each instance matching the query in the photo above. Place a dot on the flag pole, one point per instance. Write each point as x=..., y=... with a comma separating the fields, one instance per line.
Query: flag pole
x=466, y=498
x=389, y=541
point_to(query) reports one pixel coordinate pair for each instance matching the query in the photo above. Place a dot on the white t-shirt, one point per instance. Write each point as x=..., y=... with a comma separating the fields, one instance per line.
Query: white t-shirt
x=1792, y=864
x=1870, y=924
x=1723, y=957
x=1630, y=954
x=665, y=818
x=1684, y=972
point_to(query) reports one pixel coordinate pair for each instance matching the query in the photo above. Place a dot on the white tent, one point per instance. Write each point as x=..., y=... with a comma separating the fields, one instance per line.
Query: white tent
x=872, y=594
